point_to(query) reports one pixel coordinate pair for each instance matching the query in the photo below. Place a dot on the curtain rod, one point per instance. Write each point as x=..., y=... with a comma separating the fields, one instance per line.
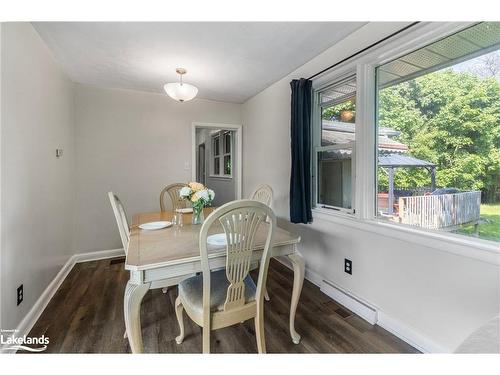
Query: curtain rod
x=363, y=50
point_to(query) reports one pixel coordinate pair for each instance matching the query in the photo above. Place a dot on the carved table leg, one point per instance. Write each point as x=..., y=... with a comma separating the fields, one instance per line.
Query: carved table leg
x=132, y=309
x=298, y=280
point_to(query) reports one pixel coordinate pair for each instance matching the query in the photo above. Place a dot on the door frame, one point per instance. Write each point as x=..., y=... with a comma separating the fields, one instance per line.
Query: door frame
x=238, y=129
x=199, y=171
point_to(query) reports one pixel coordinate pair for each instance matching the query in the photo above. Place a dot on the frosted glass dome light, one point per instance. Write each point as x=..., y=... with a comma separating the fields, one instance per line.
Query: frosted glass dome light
x=180, y=91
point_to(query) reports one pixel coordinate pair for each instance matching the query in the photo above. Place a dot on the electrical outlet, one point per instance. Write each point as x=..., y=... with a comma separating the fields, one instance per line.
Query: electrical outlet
x=20, y=294
x=348, y=266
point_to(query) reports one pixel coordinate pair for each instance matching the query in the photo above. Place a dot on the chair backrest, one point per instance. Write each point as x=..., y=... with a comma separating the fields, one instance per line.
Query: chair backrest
x=121, y=219
x=173, y=192
x=264, y=194
x=240, y=221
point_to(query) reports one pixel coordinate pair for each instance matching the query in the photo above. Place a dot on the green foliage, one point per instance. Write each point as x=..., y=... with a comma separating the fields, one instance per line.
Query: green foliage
x=451, y=119
x=333, y=113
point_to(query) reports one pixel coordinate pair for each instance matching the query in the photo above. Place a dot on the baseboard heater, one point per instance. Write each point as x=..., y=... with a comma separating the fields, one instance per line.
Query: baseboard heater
x=348, y=300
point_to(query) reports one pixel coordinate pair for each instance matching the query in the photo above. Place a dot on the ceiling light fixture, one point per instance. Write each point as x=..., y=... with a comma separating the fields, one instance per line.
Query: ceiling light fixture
x=180, y=91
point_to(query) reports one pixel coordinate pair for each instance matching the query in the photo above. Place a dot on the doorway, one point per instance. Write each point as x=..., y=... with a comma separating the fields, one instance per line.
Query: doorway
x=217, y=159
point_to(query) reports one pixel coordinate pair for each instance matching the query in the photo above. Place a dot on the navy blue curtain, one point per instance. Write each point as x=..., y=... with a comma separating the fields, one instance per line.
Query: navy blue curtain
x=300, y=180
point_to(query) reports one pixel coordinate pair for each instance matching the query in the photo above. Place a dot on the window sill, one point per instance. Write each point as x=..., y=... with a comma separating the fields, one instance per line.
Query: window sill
x=220, y=177
x=350, y=215
x=483, y=250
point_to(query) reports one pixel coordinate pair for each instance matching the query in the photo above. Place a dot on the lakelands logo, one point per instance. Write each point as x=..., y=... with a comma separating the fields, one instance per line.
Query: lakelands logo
x=9, y=341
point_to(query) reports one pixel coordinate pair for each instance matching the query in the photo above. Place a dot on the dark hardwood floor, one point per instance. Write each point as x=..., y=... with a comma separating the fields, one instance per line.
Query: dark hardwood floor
x=86, y=316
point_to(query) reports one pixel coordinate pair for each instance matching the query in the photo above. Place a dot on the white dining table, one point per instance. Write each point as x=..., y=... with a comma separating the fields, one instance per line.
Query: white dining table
x=163, y=258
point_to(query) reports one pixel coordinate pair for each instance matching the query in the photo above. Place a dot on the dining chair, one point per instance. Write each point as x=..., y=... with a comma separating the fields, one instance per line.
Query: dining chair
x=218, y=299
x=173, y=192
x=121, y=221
x=264, y=194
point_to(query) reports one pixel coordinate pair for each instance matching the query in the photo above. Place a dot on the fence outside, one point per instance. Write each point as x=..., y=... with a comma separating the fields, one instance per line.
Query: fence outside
x=440, y=211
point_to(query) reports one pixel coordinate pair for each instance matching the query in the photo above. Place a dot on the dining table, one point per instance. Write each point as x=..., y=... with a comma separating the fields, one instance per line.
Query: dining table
x=163, y=258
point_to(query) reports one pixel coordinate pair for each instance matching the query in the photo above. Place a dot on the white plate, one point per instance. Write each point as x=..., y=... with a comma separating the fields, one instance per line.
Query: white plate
x=155, y=225
x=218, y=239
x=184, y=210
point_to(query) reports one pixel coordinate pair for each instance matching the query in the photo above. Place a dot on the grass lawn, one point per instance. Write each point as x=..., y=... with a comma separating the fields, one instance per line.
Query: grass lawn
x=490, y=228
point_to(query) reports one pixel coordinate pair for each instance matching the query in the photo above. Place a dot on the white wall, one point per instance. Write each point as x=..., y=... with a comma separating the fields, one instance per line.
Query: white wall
x=438, y=296
x=37, y=188
x=133, y=143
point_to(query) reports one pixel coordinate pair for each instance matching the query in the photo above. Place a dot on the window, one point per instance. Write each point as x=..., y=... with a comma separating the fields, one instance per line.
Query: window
x=413, y=140
x=227, y=153
x=216, y=154
x=222, y=153
x=439, y=135
x=335, y=145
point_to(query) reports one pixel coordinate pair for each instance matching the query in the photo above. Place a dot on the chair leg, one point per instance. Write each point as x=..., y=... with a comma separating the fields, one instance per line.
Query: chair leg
x=178, y=311
x=266, y=295
x=206, y=340
x=259, y=334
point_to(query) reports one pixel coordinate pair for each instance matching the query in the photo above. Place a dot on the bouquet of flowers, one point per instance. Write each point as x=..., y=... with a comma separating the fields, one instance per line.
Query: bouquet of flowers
x=199, y=196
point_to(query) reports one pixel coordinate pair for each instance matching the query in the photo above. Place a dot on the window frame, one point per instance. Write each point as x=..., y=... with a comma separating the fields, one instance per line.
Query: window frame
x=365, y=215
x=220, y=136
x=317, y=147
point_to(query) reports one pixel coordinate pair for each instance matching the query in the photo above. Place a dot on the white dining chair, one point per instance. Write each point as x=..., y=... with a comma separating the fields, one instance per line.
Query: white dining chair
x=172, y=191
x=121, y=221
x=264, y=194
x=217, y=299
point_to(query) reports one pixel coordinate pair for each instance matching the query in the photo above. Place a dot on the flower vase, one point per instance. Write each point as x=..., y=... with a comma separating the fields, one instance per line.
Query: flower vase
x=198, y=215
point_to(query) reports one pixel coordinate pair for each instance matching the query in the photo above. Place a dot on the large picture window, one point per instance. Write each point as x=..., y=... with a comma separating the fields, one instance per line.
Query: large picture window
x=439, y=135
x=336, y=145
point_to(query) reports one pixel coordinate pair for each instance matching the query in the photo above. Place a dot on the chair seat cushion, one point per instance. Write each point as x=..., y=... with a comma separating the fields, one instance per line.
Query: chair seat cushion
x=191, y=291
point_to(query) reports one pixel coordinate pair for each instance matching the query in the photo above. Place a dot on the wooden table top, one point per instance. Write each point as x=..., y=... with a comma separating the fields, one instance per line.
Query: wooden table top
x=175, y=245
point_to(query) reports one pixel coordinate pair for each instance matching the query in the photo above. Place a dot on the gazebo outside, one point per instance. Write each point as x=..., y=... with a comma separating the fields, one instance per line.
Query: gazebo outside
x=447, y=208
x=390, y=162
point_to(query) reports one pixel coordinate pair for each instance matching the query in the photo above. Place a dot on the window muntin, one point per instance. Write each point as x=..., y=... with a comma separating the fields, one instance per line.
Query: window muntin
x=335, y=146
x=438, y=139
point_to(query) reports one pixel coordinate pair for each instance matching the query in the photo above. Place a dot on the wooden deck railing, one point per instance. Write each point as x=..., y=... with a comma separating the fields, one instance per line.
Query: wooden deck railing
x=440, y=211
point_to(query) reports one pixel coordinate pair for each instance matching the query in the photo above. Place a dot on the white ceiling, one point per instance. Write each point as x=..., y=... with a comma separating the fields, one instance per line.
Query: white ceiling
x=226, y=61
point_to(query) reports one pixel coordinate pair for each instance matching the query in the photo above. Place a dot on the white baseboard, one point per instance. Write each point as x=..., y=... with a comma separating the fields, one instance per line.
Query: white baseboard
x=372, y=314
x=98, y=255
x=36, y=311
x=310, y=275
x=408, y=335
x=361, y=308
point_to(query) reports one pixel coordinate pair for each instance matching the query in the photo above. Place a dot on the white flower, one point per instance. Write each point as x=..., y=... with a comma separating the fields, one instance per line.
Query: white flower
x=185, y=191
x=211, y=194
x=203, y=194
